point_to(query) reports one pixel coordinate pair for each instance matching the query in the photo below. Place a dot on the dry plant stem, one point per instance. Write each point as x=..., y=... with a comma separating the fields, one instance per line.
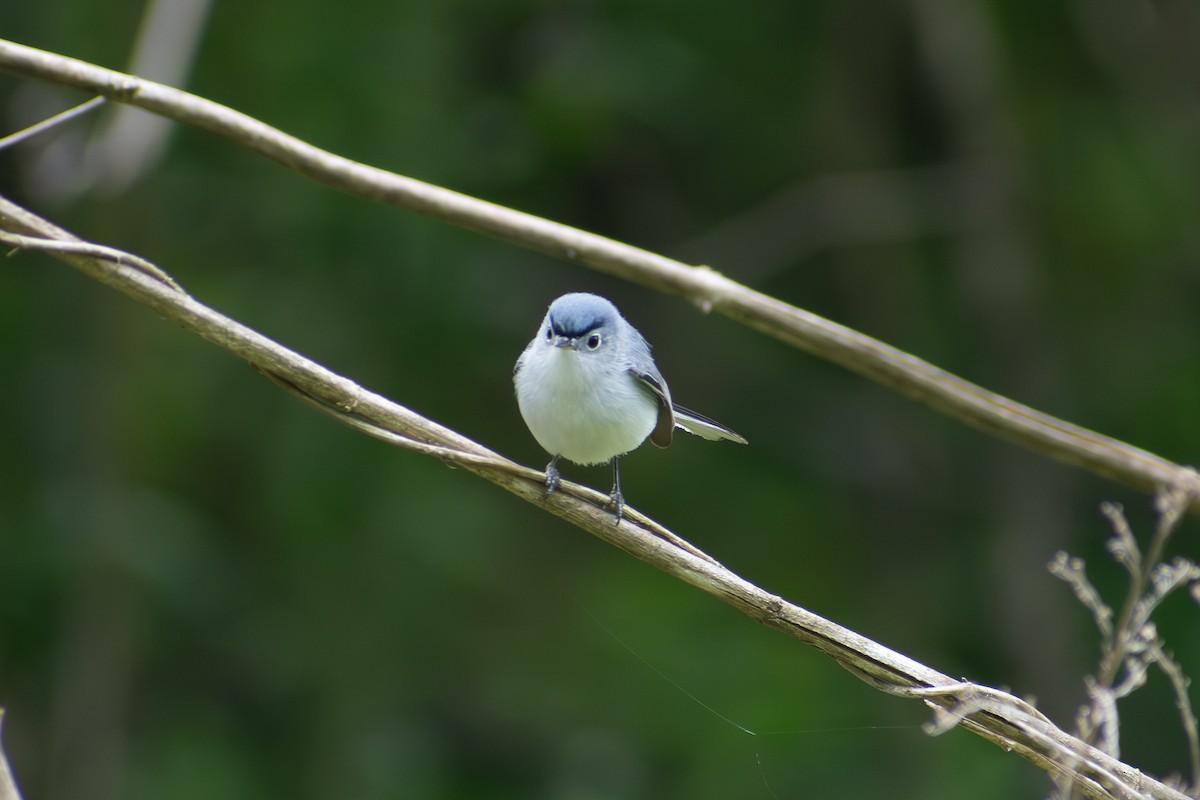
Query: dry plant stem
x=1191, y=727
x=994, y=715
x=47, y=124
x=1132, y=644
x=1116, y=641
x=701, y=286
x=1140, y=600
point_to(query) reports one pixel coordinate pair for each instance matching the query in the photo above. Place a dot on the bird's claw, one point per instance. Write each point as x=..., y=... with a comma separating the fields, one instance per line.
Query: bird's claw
x=552, y=477
x=617, y=501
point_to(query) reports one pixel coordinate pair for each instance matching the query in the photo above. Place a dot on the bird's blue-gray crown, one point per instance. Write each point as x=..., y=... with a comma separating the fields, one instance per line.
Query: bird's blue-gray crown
x=573, y=315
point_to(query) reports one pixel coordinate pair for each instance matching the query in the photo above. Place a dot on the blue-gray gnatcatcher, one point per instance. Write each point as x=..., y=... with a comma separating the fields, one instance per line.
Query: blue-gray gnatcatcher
x=589, y=391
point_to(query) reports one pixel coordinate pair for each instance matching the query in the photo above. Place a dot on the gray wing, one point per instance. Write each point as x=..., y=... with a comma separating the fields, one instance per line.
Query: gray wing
x=640, y=363
x=665, y=427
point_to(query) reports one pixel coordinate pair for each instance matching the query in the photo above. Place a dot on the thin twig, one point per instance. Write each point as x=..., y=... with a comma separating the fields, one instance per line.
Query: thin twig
x=1171, y=501
x=990, y=713
x=702, y=286
x=50, y=122
x=1073, y=572
x=1179, y=687
x=1123, y=544
x=112, y=254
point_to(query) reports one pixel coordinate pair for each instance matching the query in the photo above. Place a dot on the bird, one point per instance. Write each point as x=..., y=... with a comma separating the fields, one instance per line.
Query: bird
x=590, y=392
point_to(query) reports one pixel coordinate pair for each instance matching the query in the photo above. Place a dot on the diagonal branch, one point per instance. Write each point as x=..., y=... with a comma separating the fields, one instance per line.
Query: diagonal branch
x=997, y=716
x=704, y=287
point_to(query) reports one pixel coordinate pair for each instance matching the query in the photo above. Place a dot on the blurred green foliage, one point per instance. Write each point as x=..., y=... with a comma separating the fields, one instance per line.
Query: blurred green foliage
x=207, y=590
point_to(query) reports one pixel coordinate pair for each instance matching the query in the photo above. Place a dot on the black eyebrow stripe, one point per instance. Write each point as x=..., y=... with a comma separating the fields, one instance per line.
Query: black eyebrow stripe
x=574, y=332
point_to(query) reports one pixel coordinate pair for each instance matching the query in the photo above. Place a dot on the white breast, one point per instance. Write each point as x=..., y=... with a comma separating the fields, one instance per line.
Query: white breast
x=579, y=409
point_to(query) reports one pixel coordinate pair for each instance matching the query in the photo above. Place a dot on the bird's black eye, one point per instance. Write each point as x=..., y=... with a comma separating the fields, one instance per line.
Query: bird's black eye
x=593, y=341
x=549, y=333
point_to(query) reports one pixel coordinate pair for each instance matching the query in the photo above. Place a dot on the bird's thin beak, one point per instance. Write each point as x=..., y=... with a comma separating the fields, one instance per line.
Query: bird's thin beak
x=564, y=341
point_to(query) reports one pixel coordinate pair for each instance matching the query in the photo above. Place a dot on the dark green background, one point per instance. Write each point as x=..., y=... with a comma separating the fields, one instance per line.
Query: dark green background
x=208, y=590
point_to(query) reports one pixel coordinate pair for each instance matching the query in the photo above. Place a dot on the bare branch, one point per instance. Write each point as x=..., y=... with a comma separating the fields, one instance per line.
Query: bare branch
x=704, y=287
x=990, y=713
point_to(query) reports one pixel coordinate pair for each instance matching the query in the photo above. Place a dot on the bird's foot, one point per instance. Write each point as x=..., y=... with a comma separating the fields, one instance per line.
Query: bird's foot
x=552, y=477
x=617, y=501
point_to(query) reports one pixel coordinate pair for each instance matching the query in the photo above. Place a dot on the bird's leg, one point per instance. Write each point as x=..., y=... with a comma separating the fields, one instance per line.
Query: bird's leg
x=618, y=499
x=552, y=475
